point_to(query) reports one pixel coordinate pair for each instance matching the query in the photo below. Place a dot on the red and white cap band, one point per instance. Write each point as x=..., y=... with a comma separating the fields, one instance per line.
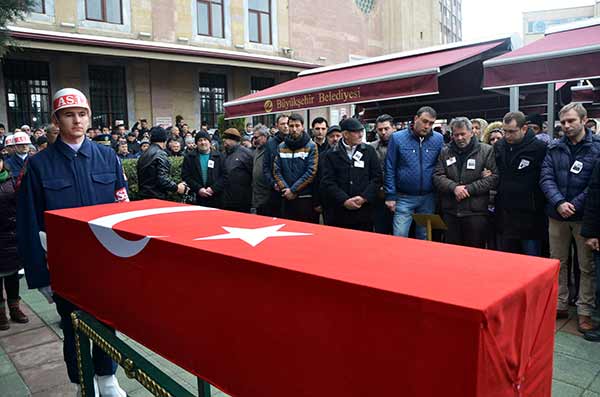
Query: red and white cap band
x=69, y=98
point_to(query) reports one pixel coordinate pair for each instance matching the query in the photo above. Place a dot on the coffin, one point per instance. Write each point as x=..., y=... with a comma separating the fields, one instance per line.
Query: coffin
x=262, y=306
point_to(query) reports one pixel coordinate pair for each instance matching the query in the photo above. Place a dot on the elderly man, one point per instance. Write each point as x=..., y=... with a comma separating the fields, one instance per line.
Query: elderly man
x=463, y=185
x=351, y=179
x=261, y=189
x=202, y=171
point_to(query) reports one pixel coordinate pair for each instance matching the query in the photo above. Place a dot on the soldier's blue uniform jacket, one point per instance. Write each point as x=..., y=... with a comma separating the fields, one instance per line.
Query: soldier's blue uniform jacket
x=56, y=178
x=15, y=164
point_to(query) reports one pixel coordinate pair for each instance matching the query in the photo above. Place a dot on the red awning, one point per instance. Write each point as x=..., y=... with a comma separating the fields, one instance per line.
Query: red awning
x=402, y=75
x=585, y=94
x=564, y=55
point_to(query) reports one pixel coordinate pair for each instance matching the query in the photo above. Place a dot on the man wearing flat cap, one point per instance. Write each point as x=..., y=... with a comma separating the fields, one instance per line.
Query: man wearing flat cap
x=238, y=166
x=351, y=178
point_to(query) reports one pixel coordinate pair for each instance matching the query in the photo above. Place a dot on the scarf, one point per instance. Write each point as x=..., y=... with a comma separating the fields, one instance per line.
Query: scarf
x=4, y=175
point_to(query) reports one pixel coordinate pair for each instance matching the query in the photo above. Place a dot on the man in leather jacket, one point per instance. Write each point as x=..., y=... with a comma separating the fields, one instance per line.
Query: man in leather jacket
x=153, y=169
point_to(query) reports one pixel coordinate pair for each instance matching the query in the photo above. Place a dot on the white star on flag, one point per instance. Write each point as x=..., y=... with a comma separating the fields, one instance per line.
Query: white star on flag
x=252, y=236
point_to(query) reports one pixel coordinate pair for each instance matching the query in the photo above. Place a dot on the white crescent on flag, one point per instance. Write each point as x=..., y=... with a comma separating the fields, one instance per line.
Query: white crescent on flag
x=103, y=229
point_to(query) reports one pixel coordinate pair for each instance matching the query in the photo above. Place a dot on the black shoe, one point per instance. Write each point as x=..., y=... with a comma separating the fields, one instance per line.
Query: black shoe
x=592, y=336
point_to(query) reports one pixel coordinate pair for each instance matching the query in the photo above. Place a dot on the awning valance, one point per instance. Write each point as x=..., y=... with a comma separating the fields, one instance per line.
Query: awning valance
x=402, y=75
x=562, y=55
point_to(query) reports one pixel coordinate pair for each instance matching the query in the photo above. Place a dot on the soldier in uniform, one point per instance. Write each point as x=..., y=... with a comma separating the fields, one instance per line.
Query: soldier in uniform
x=73, y=172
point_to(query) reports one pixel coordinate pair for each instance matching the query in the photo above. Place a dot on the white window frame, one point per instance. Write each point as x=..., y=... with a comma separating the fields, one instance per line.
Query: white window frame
x=124, y=27
x=274, y=46
x=201, y=39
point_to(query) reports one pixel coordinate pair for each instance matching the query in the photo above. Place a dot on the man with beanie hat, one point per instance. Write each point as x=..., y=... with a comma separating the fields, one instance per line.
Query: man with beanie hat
x=72, y=172
x=202, y=170
x=294, y=170
x=153, y=169
x=351, y=179
x=238, y=165
x=535, y=122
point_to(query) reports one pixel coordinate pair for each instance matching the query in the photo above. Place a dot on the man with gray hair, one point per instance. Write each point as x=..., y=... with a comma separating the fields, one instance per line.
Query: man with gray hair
x=261, y=188
x=463, y=185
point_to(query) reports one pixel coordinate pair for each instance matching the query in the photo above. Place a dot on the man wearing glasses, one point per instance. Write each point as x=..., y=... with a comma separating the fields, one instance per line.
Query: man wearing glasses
x=519, y=158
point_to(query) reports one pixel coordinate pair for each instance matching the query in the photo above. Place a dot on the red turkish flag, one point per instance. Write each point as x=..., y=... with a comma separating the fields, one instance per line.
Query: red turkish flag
x=262, y=306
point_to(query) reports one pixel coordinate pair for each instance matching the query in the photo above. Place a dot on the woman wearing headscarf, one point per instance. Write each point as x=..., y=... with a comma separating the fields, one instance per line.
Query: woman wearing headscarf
x=9, y=261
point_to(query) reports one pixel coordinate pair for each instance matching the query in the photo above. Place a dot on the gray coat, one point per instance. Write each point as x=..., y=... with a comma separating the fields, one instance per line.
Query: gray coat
x=261, y=190
x=449, y=174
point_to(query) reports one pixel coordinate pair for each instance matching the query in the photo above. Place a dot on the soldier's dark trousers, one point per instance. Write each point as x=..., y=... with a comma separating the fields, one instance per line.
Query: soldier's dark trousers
x=103, y=364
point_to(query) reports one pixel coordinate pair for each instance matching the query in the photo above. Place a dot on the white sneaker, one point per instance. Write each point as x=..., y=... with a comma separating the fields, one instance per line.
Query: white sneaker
x=109, y=386
x=96, y=393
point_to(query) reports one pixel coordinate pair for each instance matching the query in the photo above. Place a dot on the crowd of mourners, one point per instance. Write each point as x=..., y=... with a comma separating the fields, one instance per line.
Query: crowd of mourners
x=515, y=185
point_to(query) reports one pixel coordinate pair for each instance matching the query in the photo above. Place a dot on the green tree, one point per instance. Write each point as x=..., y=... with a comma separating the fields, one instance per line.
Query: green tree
x=10, y=11
x=239, y=124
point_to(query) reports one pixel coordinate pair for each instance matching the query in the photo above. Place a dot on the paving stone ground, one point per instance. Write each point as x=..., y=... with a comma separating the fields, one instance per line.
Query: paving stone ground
x=31, y=361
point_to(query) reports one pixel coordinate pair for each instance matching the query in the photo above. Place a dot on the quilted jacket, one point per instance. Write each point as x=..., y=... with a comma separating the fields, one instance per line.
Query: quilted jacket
x=565, y=176
x=410, y=163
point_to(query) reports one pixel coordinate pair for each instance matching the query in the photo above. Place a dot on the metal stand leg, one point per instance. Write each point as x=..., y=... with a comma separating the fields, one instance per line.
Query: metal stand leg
x=203, y=388
x=84, y=360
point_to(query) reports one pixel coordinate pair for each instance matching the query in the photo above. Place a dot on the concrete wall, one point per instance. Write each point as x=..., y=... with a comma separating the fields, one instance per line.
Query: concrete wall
x=339, y=28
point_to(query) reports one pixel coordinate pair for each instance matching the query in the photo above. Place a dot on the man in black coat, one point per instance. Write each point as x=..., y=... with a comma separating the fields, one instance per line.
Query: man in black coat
x=153, y=169
x=275, y=201
x=202, y=170
x=591, y=231
x=520, y=217
x=351, y=178
x=238, y=167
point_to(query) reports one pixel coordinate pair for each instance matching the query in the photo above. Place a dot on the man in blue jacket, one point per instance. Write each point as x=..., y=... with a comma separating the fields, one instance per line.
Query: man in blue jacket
x=565, y=175
x=72, y=172
x=295, y=169
x=410, y=161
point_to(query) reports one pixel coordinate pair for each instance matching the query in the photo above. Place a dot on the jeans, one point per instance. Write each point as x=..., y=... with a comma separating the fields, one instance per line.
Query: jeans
x=525, y=247
x=103, y=364
x=406, y=206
